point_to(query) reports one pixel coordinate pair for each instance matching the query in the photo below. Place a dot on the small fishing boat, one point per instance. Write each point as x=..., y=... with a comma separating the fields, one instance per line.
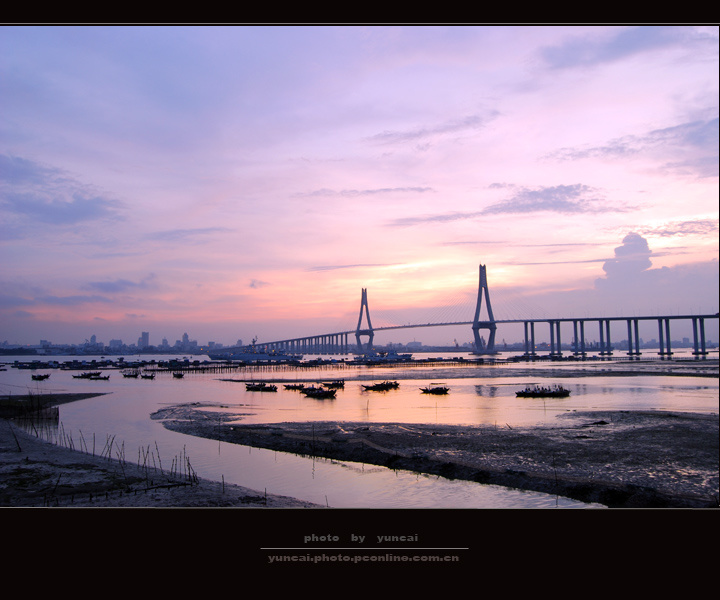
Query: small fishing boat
x=87, y=375
x=147, y=376
x=99, y=378
x=294, y=386
x=178, y=375
x=383, y=386
x=438, y=390
x=310, y=389
x=556, y=391
x=133, y=374
x=319, y=392
x=338, y=383
x=260, y=387
x=41, y=377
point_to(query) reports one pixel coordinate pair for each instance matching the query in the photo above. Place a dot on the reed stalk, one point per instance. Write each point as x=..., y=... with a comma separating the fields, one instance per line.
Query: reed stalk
x=16, y=440
x=158, y=453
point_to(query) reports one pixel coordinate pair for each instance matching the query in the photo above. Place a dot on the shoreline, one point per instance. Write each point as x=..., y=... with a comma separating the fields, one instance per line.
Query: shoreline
x=620, y=459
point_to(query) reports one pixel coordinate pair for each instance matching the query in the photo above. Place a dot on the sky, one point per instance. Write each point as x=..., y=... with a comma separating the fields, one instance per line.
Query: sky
x=232, y=182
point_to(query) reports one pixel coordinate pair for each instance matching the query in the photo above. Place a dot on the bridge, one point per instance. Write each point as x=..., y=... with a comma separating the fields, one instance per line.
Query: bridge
x=340, y=342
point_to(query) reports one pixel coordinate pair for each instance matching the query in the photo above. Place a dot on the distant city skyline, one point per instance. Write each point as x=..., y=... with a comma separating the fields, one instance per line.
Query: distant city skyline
x=249, y=181
x=143, y=341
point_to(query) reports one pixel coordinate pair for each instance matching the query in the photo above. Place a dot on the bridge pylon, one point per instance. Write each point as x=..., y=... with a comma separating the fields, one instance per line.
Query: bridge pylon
x=490, y=325
x=368, y=331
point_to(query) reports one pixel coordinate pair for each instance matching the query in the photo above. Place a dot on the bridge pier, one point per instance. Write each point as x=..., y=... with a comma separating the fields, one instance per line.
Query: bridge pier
x=636, y=352
x=664, y=344
x=702, y=351
x=530, y=340
x=605, y=345
x=555, y=348
x=579, y=343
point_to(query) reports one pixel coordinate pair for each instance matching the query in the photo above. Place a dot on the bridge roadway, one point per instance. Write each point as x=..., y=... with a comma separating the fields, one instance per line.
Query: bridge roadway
x=337, y=343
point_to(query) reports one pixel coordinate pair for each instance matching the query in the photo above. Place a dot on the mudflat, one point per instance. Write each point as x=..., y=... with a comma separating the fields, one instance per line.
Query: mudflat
x=639, y=459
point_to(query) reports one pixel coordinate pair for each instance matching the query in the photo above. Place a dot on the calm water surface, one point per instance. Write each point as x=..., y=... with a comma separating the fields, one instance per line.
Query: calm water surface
x=478, y=395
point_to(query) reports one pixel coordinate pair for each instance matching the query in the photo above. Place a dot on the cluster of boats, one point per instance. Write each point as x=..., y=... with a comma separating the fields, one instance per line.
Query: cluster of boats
x=319, y=392
x=260, y=387
x=135, y=374
x=555, y=391
x=98, y=376
x=382, y=386
x=326, y=389
x=92, y=375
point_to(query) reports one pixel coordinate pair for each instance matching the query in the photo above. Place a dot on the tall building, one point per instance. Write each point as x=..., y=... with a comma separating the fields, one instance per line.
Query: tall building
x=144, y=340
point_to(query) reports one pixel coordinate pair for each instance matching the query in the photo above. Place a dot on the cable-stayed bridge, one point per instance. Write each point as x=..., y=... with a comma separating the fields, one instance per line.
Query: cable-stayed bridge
x=351, y=341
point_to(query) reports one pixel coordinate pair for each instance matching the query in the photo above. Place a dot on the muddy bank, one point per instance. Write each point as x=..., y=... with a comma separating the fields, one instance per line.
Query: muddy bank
x=622, y=459
x=36, y=473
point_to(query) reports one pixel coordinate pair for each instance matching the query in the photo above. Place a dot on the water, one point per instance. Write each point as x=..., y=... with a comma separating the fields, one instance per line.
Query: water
x=483, y=395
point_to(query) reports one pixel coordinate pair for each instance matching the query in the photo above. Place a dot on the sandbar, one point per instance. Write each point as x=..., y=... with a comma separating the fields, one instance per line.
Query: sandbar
x=619, y=459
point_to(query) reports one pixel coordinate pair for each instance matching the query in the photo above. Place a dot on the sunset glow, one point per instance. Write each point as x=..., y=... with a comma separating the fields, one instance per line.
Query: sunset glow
x=241, y=181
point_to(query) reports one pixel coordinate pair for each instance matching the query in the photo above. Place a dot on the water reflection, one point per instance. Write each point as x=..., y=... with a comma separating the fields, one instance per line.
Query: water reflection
x=486, y=390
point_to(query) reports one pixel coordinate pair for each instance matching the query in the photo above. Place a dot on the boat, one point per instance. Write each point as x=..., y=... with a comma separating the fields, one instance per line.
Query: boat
x=99, y=378
x=294, y=386
x=41, y=377
x=438, y=390
x=556, y=391
x=260, y=387
x=178, y=375
x=338, y=383
x=381, y=387
x=147, y=376
x=319, y=392
x=133, y=374
x=88, y=375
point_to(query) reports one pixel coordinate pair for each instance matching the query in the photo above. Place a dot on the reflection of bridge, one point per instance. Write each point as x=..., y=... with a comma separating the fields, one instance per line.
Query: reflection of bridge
x=338, y=343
